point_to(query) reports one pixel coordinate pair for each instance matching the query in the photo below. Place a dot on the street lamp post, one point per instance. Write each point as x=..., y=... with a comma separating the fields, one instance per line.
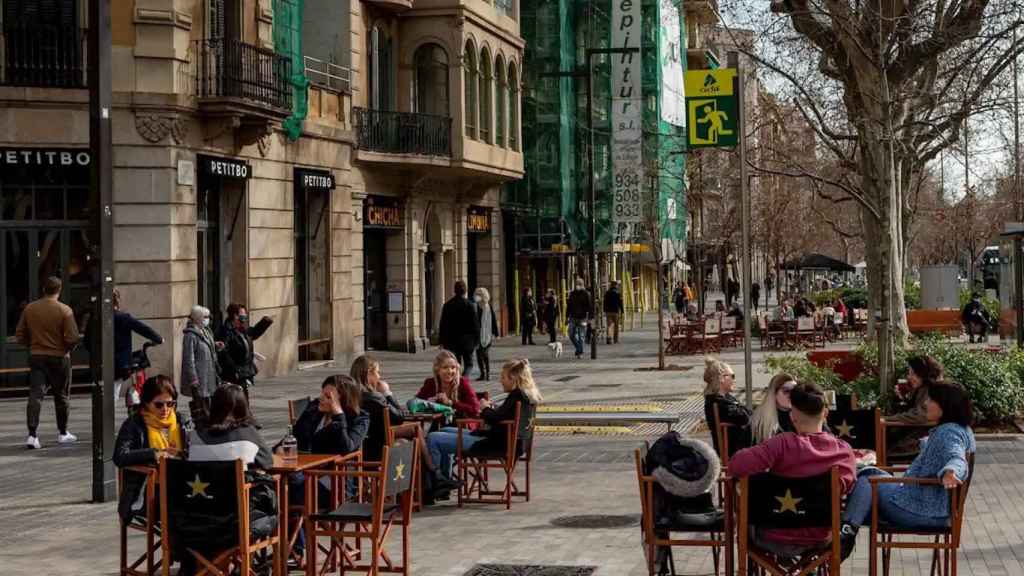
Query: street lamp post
x=588, y=74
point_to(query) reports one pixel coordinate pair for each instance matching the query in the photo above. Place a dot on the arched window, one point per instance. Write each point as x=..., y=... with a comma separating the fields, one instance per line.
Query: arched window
x=486, y=79
x=431, y=80
x=381, y=70
x=513, y=107
x=500, y=101
x=470, y=81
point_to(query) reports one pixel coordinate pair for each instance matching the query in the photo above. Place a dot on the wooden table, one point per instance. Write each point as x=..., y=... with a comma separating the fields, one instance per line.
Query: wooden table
x=283, y=469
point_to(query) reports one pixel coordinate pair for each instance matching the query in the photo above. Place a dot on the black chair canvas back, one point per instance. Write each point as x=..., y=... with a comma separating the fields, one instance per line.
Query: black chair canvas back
x=202, y=503
x=777, y=502
x=855, y=427
x=299, y=406
x=400, y=467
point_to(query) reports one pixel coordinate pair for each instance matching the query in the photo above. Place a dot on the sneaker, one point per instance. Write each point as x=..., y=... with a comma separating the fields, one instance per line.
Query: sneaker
x=66, y=438
x=32, y=443
x=847, y=540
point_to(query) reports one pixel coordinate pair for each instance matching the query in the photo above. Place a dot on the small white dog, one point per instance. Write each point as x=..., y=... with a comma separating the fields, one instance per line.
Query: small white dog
x=556, y=349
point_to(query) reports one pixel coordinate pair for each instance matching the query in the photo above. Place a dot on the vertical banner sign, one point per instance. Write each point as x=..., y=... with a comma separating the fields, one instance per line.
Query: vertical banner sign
x=673, y=94
x=627, y=113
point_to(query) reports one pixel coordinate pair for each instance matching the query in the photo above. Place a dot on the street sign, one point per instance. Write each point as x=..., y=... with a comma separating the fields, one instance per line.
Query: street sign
x=711, y=107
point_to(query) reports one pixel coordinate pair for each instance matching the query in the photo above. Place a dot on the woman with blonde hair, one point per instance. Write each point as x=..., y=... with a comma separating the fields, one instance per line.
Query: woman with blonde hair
x=719, y=383
x=488, y=322
x=772, y=416
x=377, y=400
x=517, y=381
x=449, y=387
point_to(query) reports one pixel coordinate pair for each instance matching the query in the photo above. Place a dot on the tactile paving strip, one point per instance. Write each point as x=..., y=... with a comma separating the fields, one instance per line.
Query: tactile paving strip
x=690, y=409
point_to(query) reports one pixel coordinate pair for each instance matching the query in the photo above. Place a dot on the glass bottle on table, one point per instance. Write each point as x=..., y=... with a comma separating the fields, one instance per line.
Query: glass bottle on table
x=289, y=447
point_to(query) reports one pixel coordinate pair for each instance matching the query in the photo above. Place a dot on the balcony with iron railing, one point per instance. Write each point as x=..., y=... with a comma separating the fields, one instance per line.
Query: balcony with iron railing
x=403, y=133
x=42, y=56
x=236, y=78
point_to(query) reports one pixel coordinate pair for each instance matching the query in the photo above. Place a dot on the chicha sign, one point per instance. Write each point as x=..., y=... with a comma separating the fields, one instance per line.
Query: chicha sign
x=478, y=220
x=382, y=213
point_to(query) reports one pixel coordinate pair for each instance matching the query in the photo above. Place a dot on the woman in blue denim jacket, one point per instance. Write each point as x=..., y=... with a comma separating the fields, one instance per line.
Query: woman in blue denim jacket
x=943, y=455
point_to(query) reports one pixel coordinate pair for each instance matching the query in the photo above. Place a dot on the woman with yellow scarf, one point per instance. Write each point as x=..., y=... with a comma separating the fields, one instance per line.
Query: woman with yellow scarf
x=154, y=432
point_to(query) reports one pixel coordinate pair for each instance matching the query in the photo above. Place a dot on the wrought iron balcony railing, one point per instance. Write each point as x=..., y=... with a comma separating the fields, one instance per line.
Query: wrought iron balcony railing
x=41, y=55
x=403, y=132
x=228, y=68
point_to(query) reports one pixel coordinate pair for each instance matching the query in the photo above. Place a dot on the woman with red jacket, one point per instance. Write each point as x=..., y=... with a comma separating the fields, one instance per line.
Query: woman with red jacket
x=450, y=387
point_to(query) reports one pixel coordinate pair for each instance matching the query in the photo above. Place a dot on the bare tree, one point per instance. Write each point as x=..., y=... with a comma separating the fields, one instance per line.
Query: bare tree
x=886, y=86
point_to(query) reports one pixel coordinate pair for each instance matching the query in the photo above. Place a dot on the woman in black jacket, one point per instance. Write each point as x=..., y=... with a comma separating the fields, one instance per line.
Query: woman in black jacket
x=231, y=433
x=156, y=431
x=551, y=315
x=237, y=359
x=377, y=401
x=334, y=423
x=720, y=381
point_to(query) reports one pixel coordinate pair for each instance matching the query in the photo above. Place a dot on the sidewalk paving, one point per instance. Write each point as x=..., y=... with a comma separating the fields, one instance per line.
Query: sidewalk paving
x=50, y=528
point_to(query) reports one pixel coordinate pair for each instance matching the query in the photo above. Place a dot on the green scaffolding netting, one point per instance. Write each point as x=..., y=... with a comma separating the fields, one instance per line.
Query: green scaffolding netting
x=288, y=42
x=553, y=194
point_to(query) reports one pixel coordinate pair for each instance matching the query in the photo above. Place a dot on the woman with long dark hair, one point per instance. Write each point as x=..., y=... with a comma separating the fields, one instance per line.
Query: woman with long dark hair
x=943, y=456
x=231, y=433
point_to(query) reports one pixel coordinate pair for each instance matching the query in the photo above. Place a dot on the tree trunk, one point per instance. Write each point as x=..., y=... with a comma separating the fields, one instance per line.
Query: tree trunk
x=661, y=313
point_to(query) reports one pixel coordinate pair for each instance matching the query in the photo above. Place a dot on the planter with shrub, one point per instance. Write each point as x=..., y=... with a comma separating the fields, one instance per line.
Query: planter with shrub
x=994, y=380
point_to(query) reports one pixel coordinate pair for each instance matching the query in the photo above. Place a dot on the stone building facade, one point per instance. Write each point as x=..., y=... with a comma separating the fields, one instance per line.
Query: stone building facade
x=245, y=167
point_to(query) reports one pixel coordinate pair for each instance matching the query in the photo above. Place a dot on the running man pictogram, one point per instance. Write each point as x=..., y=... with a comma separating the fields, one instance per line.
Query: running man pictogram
x=717, y=119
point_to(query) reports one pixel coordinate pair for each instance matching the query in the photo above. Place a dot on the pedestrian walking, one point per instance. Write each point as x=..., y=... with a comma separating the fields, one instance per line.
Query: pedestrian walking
x=613, y=310
x=199, y=367
x=551, y=315
x=579, y=311
x=528, y=313
x=237, y=361
x=459, y=330
x=124, y=325
x=488, y=331
x=679, y=299
x=47, y=327
x=755, y=294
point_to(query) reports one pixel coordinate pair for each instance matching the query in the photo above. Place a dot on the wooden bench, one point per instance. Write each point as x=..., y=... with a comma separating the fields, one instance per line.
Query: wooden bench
x=943, y=321
x=606, y=418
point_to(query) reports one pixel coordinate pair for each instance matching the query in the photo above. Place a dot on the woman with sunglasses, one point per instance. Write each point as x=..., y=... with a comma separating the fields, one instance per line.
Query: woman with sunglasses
x=772, y=416
x=156, y=431
x=719, y=384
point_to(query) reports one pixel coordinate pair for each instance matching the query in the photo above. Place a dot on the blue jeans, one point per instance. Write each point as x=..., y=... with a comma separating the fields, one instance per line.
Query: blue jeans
x=858, y=505
x=577, y=332
x=442, y=444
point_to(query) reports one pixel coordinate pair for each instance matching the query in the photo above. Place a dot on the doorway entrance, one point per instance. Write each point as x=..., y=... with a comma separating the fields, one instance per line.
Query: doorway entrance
x=312, y=262
x=221, y=239
x=376, y=282
x=44, y=231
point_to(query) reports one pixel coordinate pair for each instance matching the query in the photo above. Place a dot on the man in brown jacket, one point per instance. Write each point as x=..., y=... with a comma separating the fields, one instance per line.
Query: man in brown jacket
x=47, y=327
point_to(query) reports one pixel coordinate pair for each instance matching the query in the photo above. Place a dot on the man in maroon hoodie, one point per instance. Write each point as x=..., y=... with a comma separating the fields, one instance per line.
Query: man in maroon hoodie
x=809, y=451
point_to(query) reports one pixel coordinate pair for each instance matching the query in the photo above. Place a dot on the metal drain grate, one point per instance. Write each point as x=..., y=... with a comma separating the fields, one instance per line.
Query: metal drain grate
x=529, y=570
x=597, y=521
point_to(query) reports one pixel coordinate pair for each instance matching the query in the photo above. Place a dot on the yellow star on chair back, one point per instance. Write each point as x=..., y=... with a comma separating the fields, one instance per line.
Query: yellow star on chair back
x=198, y=488
x=788, y=503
